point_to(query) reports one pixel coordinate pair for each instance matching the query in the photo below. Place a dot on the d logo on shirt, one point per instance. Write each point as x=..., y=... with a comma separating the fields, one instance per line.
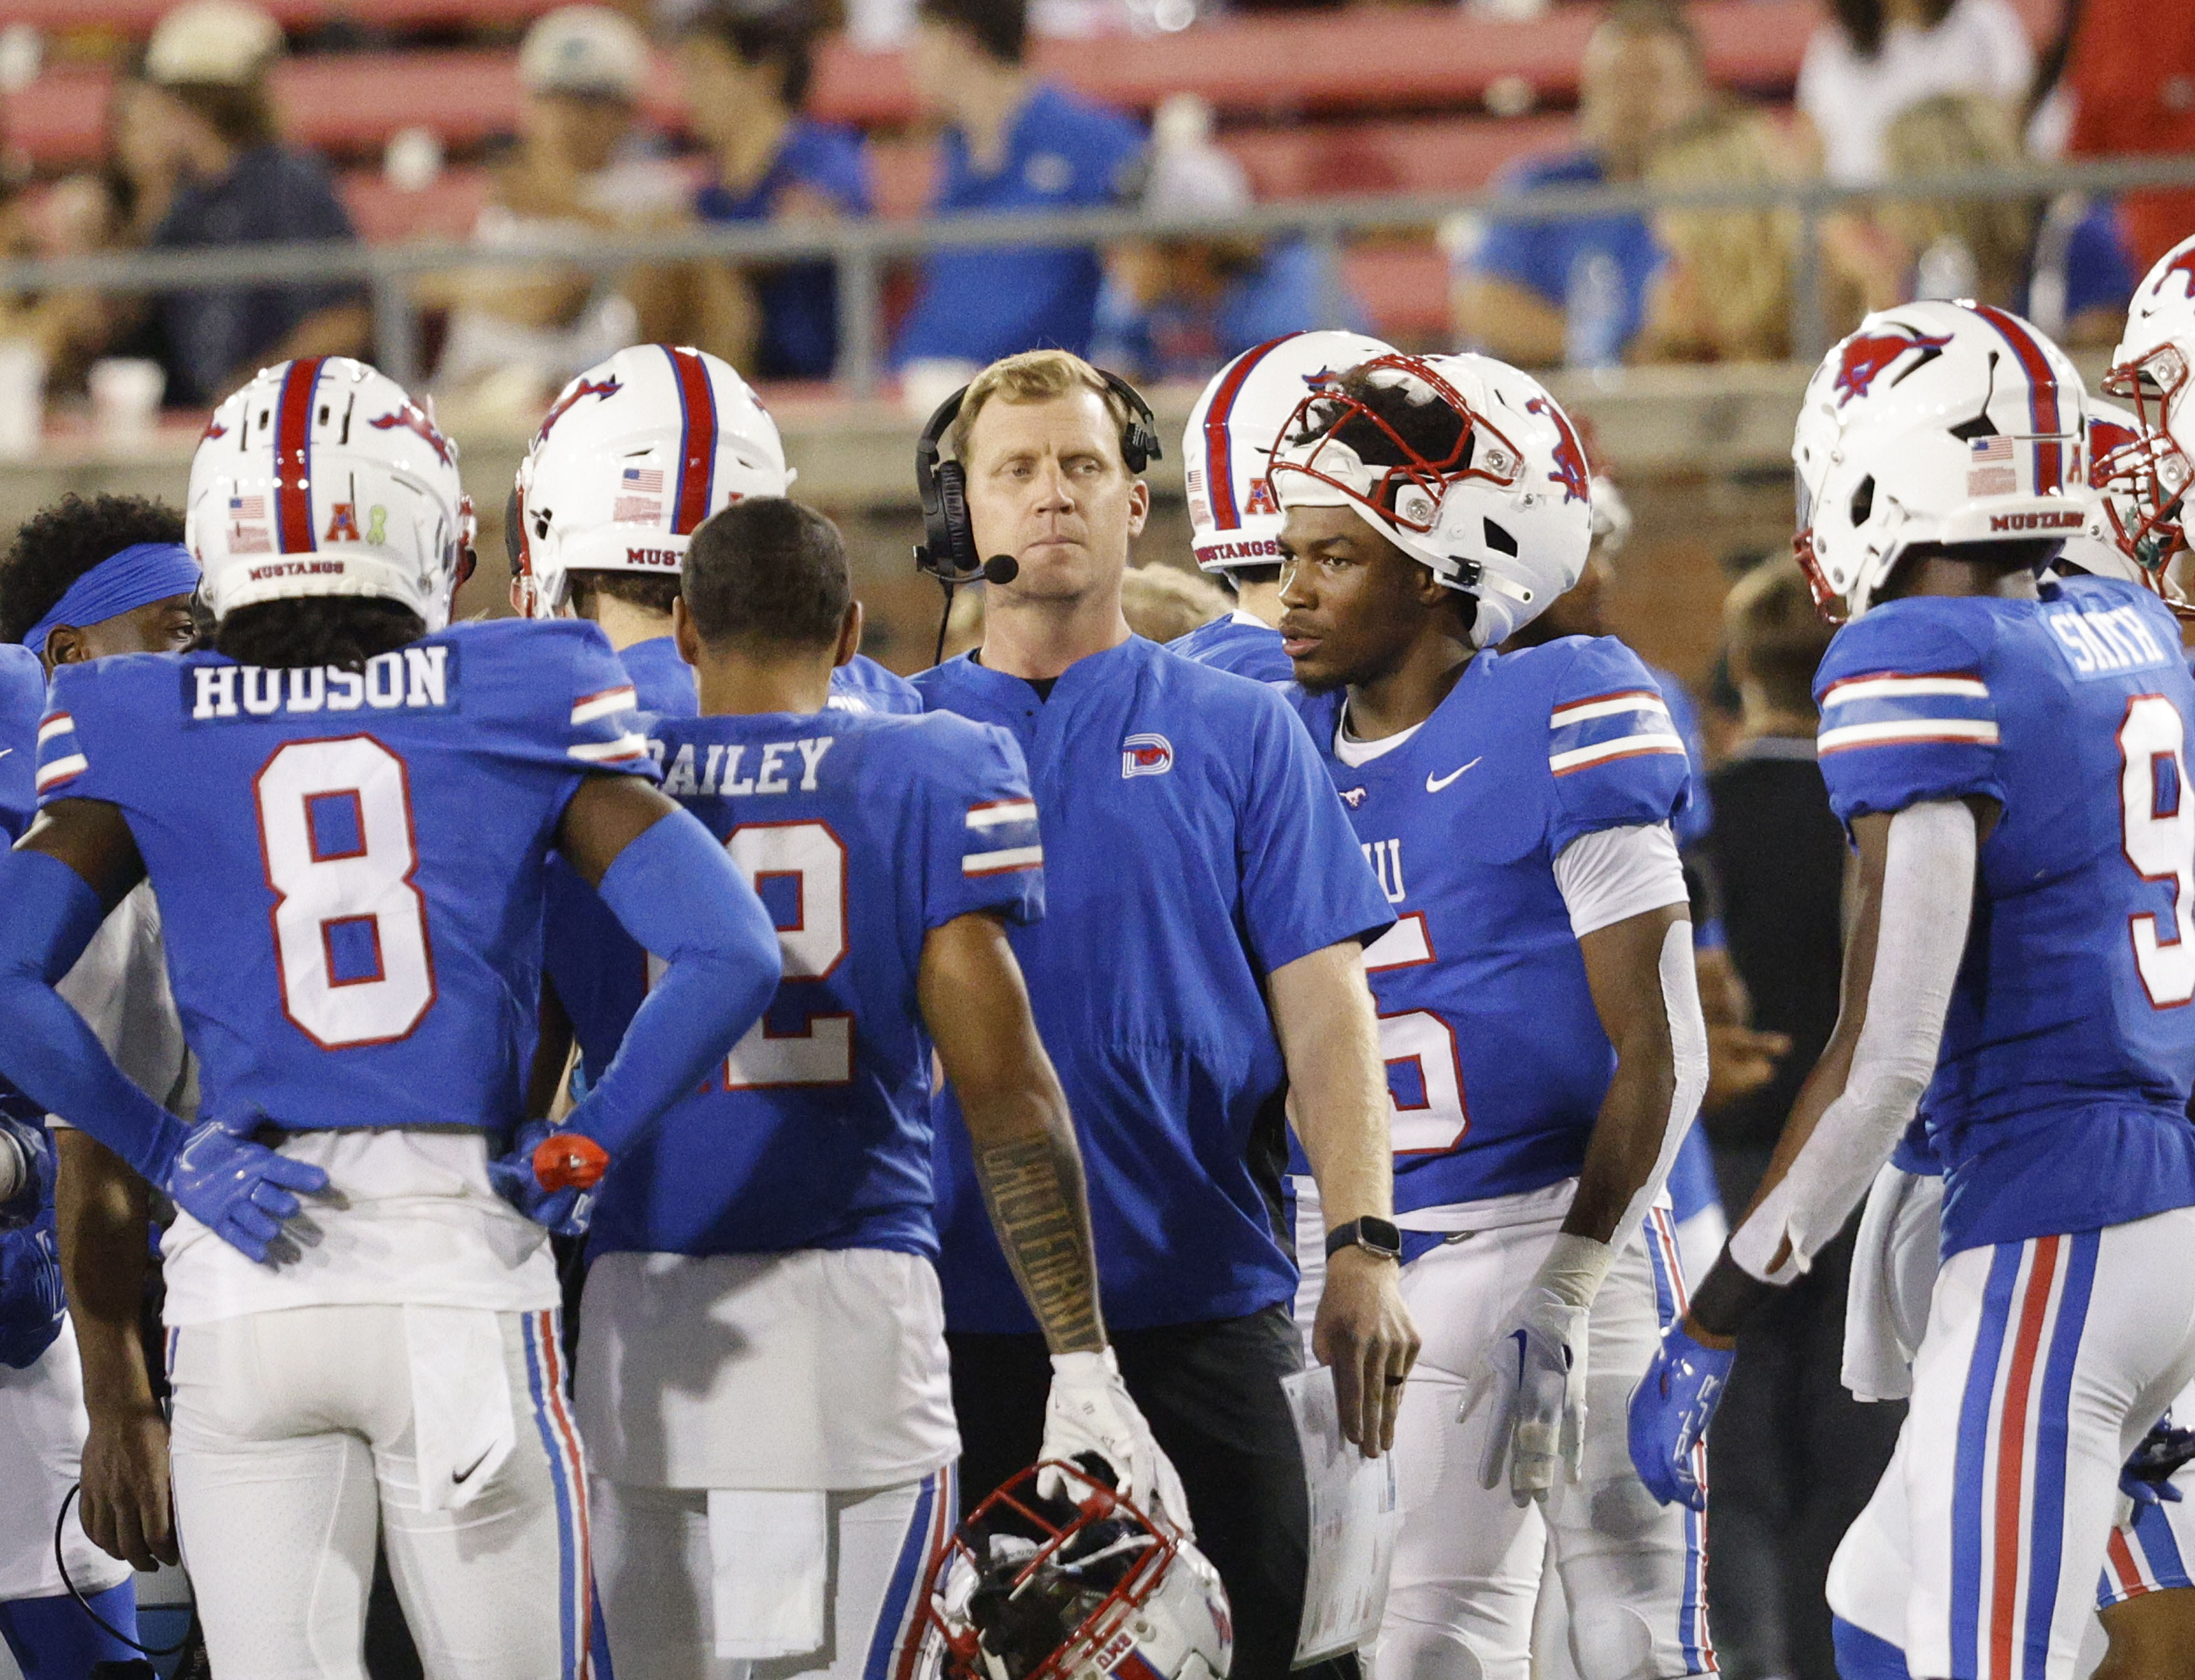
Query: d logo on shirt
x=1146, y=755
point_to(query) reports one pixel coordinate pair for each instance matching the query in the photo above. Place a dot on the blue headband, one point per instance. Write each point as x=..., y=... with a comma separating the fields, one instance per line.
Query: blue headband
x=141, y=574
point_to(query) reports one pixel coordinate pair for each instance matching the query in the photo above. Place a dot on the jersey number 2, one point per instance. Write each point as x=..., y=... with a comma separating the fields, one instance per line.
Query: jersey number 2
x=807, y=860
x=2160, y=842
x=350, y=929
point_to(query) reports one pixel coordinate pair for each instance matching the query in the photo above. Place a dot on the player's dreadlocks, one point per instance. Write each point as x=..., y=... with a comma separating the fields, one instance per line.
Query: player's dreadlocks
x=343, y=631
x=59, y=545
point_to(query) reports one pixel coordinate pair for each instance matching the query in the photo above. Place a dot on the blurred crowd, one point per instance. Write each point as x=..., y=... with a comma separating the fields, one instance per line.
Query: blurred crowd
x=1890, y=91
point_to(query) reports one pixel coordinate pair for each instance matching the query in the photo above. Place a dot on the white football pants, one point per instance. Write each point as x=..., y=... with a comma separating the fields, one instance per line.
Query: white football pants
x=661, y=1582
x=294, y=1440
x=1998, y=1528
x=41, y=1430
x=1469, y=1565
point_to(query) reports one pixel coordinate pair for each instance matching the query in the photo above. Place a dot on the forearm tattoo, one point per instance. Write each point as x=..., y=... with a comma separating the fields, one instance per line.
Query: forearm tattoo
x=1031, y=1189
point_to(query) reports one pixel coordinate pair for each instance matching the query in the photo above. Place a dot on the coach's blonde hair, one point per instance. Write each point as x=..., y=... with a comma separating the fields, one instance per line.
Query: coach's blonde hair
x=1033, y=376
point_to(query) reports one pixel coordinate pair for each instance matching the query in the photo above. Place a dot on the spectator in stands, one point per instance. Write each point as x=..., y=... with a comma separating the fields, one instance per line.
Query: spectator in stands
x=237, y=185
x=1980, y=248
x=2129, y=66
x=1538, y=293
x=1878, y=56
x=747, y=70
x=1180, y=309
x=517, y=335
x=1012, y=143
x=1723, y=292
x=1793, y=1456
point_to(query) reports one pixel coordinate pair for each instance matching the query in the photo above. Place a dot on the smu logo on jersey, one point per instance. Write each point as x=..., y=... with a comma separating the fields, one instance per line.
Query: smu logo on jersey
x=415, y=679
x=1146, y=755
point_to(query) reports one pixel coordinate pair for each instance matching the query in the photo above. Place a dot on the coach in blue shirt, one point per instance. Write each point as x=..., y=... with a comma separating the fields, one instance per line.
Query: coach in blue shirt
x=1198, y=968
x=1013, y=144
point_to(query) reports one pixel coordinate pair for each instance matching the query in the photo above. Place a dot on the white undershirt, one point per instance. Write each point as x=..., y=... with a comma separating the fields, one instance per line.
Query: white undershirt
x=1613, y=874
x=1353, y=752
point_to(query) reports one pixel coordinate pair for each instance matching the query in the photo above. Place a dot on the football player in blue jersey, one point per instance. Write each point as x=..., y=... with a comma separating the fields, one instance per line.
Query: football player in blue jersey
x=1199, y=970
x=1538, y=1013
x=633, y=455
x=1234, y=522
x=346, y=811
x=84, y=580
x=2009, y=759
x=762, y=1365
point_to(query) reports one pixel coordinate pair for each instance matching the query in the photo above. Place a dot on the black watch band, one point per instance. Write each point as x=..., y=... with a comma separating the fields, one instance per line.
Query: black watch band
x=1372, y=1233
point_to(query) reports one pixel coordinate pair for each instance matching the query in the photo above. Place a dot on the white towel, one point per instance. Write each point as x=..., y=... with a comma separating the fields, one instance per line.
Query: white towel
x=1895, y=1258
x=462, y=1424
x=770, y=1556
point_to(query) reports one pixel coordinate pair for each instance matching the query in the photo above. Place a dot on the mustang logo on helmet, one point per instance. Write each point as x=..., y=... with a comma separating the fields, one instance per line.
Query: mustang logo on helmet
x=1570, y=470
x=585, y=387
x=1868, y=355
x=2184, y=265
x=412, y=420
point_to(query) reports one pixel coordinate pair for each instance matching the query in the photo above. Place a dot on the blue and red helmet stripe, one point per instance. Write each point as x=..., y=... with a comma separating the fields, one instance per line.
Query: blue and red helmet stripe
x=697, y=440
x=1218, y=460
x=2042, y=403
x=293, y=456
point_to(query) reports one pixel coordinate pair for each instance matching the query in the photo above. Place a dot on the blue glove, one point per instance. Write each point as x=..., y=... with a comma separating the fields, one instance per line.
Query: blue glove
x=238, y=1189
x=1670, y=1411
x=565, y=1210
x=28, y=1140
x=2147, y=1477
x=32, y=1305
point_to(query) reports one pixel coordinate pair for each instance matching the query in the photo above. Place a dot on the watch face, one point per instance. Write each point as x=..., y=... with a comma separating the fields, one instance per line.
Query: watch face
x=1380, y=1234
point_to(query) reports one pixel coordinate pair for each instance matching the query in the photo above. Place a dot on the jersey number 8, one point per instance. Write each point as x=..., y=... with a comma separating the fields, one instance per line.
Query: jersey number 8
x=350, y=929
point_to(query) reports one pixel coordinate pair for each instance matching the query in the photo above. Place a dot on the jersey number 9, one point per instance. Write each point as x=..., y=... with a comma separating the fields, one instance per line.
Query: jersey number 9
x=2159, y=840
x=350, y=929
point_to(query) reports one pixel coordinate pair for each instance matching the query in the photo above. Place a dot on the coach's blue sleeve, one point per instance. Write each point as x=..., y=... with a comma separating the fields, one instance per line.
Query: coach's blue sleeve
x=677, y=892
x=46, y=1048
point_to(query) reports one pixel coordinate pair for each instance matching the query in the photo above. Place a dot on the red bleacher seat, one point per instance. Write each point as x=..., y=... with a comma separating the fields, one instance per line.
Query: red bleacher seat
x=1403, y=291
x=135, y=18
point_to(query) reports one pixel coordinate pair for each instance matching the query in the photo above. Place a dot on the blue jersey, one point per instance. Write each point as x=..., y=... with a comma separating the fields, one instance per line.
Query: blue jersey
x=2060, y=1095
x=1695, y=814
x=1241, y=643
x=664, y=684
x=863, y=685
x=862, y=832
x=22, y=698
x=349, y=864
x=1496, y=1060
x=1192, y=845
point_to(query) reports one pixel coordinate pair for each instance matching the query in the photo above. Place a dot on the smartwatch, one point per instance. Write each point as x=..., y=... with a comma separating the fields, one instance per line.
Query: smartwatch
x=1375, y=1235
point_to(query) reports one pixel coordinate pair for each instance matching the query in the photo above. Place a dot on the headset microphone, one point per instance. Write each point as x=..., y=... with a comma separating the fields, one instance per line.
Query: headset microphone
x=947, y=549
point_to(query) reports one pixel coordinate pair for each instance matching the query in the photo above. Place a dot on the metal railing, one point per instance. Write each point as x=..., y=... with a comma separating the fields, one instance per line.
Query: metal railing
x=860, y=250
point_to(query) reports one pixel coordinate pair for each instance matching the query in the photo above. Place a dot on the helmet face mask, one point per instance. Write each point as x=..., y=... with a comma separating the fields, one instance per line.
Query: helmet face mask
x=2151, y=472
x=633, y=456
x=1503, y=515
x=1036, y=1589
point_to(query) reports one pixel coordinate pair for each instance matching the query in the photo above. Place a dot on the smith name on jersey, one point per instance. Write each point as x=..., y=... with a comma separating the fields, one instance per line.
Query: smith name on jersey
x=1496, y=1059
x=860, y=831
x=349, y=864
x=2068, y=1038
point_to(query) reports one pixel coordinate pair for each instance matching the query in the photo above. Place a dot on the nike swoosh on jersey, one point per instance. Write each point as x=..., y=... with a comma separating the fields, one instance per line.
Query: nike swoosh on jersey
x=1434, y=783
x=459, y=1478
x=5, y=750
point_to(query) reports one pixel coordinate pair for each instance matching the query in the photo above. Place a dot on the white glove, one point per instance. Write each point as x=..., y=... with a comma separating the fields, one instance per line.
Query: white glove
x=1089, y=1411
x=1534, y=1371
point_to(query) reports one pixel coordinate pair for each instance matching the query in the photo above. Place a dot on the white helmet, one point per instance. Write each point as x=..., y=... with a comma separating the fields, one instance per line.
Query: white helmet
x=326, y=461
x=634, y=454
x=1083, y=1587
x=1227, y=447
x=1505, y=516
x=2151, y=369
x=2097, y=548
x=1934, y=423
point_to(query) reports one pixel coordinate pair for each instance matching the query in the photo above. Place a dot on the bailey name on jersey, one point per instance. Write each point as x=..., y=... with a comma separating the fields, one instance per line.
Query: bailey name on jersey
x=721, y=771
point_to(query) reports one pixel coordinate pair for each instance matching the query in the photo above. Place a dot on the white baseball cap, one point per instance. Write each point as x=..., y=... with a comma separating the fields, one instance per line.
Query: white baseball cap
x=584, y=50
x=228, y=42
